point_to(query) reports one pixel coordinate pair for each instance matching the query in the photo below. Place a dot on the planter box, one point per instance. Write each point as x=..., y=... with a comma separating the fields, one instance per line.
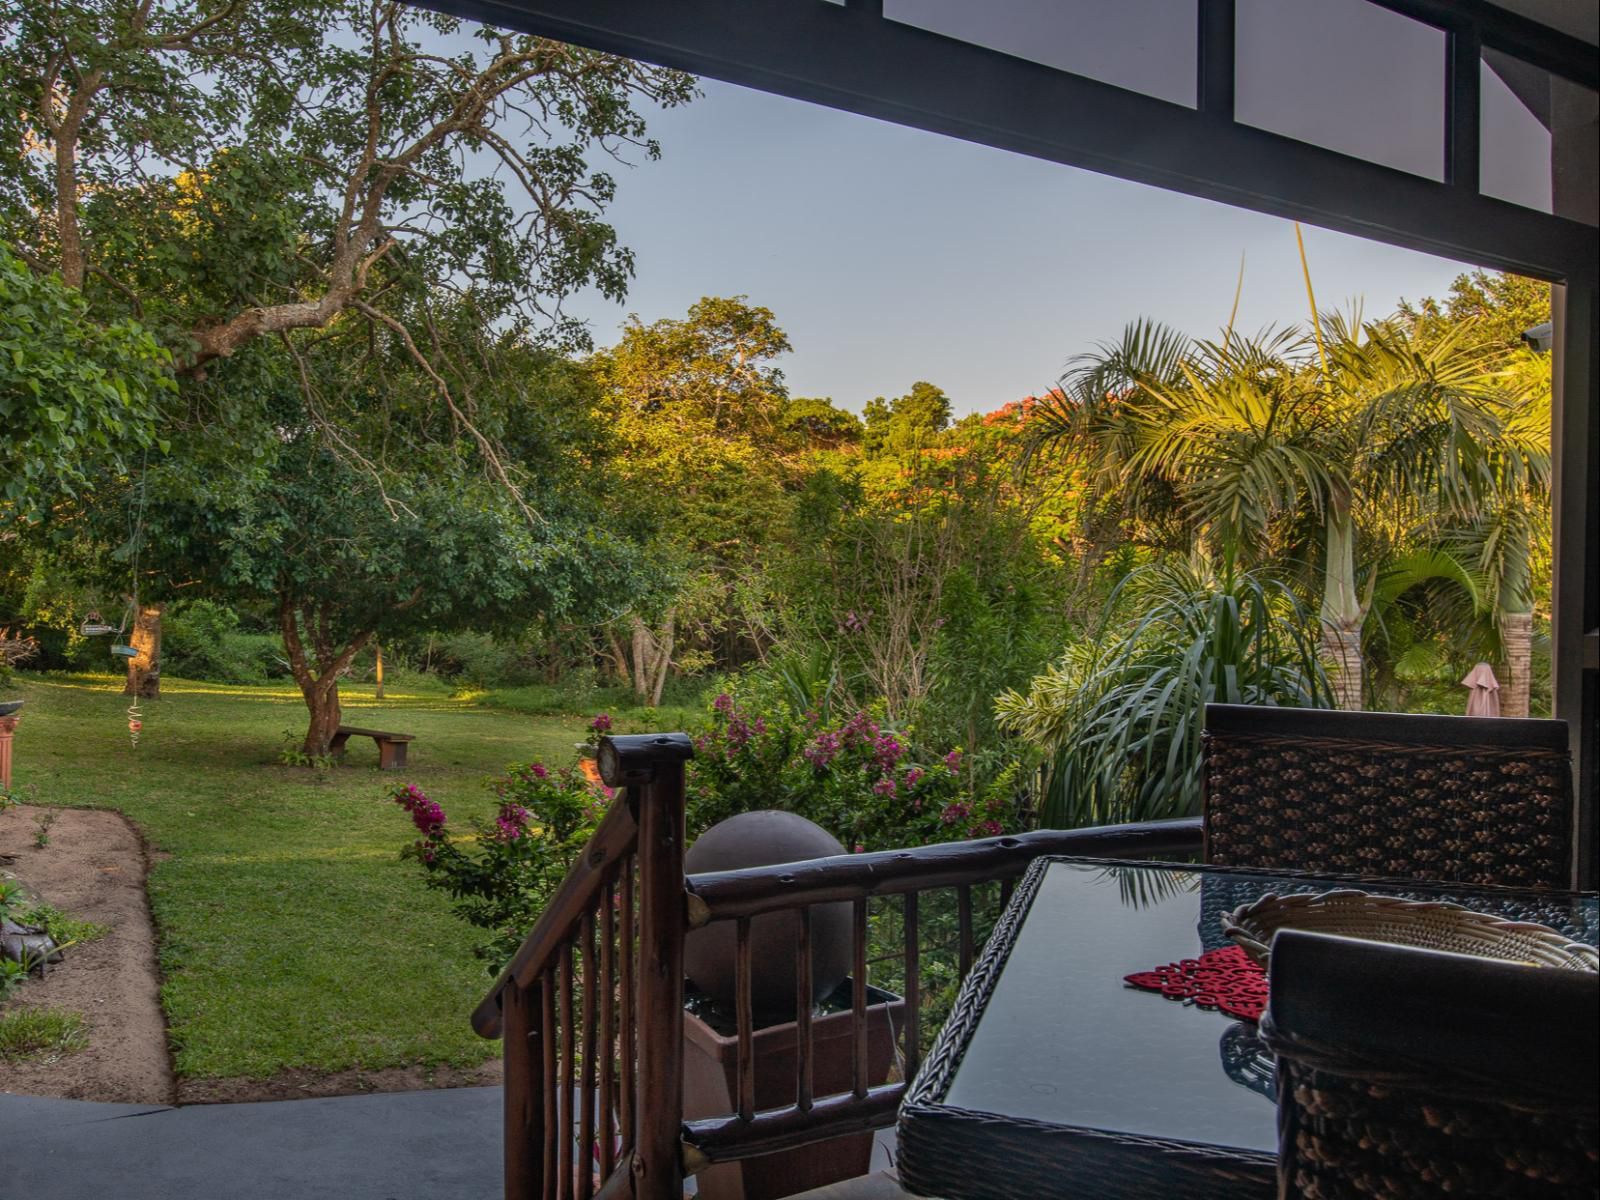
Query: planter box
x=710, y=1086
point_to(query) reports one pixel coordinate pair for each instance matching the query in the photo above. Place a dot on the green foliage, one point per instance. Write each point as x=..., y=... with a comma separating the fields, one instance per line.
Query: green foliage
x=1120, y=716
x=29, y=1034
x=201, y=639
x=822, y=425
x=13, y=975
x=906, y=423
x=930, y=597
x=1503, y=307
x=78, y=399
x=64, y=928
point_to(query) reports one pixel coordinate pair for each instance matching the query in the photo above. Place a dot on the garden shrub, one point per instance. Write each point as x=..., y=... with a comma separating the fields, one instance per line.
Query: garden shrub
x=870, y=785
x=502, y=872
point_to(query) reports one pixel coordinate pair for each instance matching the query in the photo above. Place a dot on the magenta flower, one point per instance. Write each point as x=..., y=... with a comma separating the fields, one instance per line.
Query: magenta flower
x=913, y=777
x=884, y=787
x=601, y=723
x=953, y=760
x=723, y=703
x=955, y=812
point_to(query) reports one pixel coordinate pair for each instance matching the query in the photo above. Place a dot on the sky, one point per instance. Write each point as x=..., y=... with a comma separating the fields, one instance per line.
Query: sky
x=891, y=255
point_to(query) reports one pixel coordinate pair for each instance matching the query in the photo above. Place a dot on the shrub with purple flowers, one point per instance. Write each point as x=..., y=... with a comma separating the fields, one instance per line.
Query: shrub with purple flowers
x=503, y=870
x=869, y=784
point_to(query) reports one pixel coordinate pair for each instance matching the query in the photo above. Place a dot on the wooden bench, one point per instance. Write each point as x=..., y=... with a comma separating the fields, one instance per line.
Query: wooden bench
x=391, y=746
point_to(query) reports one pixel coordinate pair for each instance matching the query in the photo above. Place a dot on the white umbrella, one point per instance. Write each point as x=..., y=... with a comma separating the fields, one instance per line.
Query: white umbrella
x=1483, y=692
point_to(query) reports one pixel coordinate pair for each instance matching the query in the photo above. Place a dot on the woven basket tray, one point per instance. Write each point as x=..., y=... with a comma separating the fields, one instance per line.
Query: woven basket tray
x=1430, y=925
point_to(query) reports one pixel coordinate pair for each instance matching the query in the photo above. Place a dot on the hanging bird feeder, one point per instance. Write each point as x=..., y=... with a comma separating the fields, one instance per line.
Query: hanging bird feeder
x=93, y=626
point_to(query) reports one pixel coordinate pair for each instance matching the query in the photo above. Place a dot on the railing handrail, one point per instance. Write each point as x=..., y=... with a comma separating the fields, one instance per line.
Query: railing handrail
x=727, y=895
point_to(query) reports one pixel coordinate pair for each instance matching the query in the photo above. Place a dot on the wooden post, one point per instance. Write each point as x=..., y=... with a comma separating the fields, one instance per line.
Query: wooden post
x=651, y=767
x=8, y=726
x=524, y=1114
x=378, y=694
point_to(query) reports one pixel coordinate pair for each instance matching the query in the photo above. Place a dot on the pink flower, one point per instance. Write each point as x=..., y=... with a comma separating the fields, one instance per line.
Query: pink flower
x=953, y=760
x=723, y=702
x=913, y=777
x=601, y=723
x=884, y=787
x=955, y=812
x=858, y=849
x=538, y=771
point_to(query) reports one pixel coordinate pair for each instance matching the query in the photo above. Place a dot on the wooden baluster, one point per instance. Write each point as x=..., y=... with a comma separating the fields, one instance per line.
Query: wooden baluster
x=524, y=1135
x=629, y=1042
x=964, y=912
x=1006, y=886
x=568, y=1074
x=858, y=1016
x=913, y=984
x=585, y=1162
x=657, y=1161
x=802, y=1012
x=608, y=1026
x=745, y=1020
x=552, y=1114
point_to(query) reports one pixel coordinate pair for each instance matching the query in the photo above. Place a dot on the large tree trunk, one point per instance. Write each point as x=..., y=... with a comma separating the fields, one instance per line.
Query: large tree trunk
x=323, y=701
x=318, y=671
x=144, y=668
x=1516, y=635
x=1342, y=610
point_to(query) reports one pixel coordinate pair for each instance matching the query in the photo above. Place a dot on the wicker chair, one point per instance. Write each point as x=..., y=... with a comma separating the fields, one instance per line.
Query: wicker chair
x=1479, y=800
x=1414, y=1073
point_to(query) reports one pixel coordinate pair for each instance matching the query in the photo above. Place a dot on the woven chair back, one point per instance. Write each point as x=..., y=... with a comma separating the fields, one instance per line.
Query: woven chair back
x=1475, y=800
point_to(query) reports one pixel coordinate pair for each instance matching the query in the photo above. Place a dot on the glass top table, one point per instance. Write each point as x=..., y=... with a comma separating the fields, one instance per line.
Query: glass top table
x=1054, y=1077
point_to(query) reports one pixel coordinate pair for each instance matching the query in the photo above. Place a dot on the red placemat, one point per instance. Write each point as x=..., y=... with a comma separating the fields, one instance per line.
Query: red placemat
x=1226, y=980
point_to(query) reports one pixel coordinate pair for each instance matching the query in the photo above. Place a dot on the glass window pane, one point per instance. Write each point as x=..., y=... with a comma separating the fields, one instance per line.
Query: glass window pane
x=1346, y=75
x=1514, y=134
x=1538, y=138
x=1145, y=46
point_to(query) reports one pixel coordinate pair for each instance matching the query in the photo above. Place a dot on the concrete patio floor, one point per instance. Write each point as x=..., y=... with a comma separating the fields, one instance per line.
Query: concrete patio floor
x=442, y=1144
x=432, y=1145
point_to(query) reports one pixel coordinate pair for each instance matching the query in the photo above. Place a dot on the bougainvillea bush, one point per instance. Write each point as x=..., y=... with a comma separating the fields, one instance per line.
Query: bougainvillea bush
x=501, y=872
x=870, y=785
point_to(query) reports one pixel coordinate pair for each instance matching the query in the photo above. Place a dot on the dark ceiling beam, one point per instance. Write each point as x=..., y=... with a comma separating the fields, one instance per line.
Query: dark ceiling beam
x=1510, y=33
x=852, y=59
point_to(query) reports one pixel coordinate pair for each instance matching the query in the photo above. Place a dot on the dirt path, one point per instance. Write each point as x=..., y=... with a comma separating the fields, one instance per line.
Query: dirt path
x=93, y=868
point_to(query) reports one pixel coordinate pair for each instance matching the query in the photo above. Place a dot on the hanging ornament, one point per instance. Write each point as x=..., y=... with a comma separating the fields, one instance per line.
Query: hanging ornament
x=135, y=723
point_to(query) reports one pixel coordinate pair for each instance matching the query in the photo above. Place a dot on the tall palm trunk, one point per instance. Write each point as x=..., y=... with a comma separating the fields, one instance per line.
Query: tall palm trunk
x=1515, y=604
x=1342, y=611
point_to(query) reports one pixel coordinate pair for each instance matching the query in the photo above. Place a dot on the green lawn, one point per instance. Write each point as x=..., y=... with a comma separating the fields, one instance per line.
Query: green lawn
x=291, y=934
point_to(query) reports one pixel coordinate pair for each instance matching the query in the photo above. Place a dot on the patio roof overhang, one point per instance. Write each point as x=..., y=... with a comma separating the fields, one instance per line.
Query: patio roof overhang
x=851, y=56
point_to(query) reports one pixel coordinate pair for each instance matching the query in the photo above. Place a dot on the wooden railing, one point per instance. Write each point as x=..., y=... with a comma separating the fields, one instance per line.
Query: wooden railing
x=591, y=1007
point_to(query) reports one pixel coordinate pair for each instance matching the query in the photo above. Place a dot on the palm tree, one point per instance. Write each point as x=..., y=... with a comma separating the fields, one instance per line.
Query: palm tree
x=1349, y=428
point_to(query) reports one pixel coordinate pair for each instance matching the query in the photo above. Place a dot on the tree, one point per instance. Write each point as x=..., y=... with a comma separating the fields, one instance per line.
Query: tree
x=1288, y=443
x=271, y=170
x=821, y=424
x=697, y=410
x=1503, y=307
x=906, y=422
